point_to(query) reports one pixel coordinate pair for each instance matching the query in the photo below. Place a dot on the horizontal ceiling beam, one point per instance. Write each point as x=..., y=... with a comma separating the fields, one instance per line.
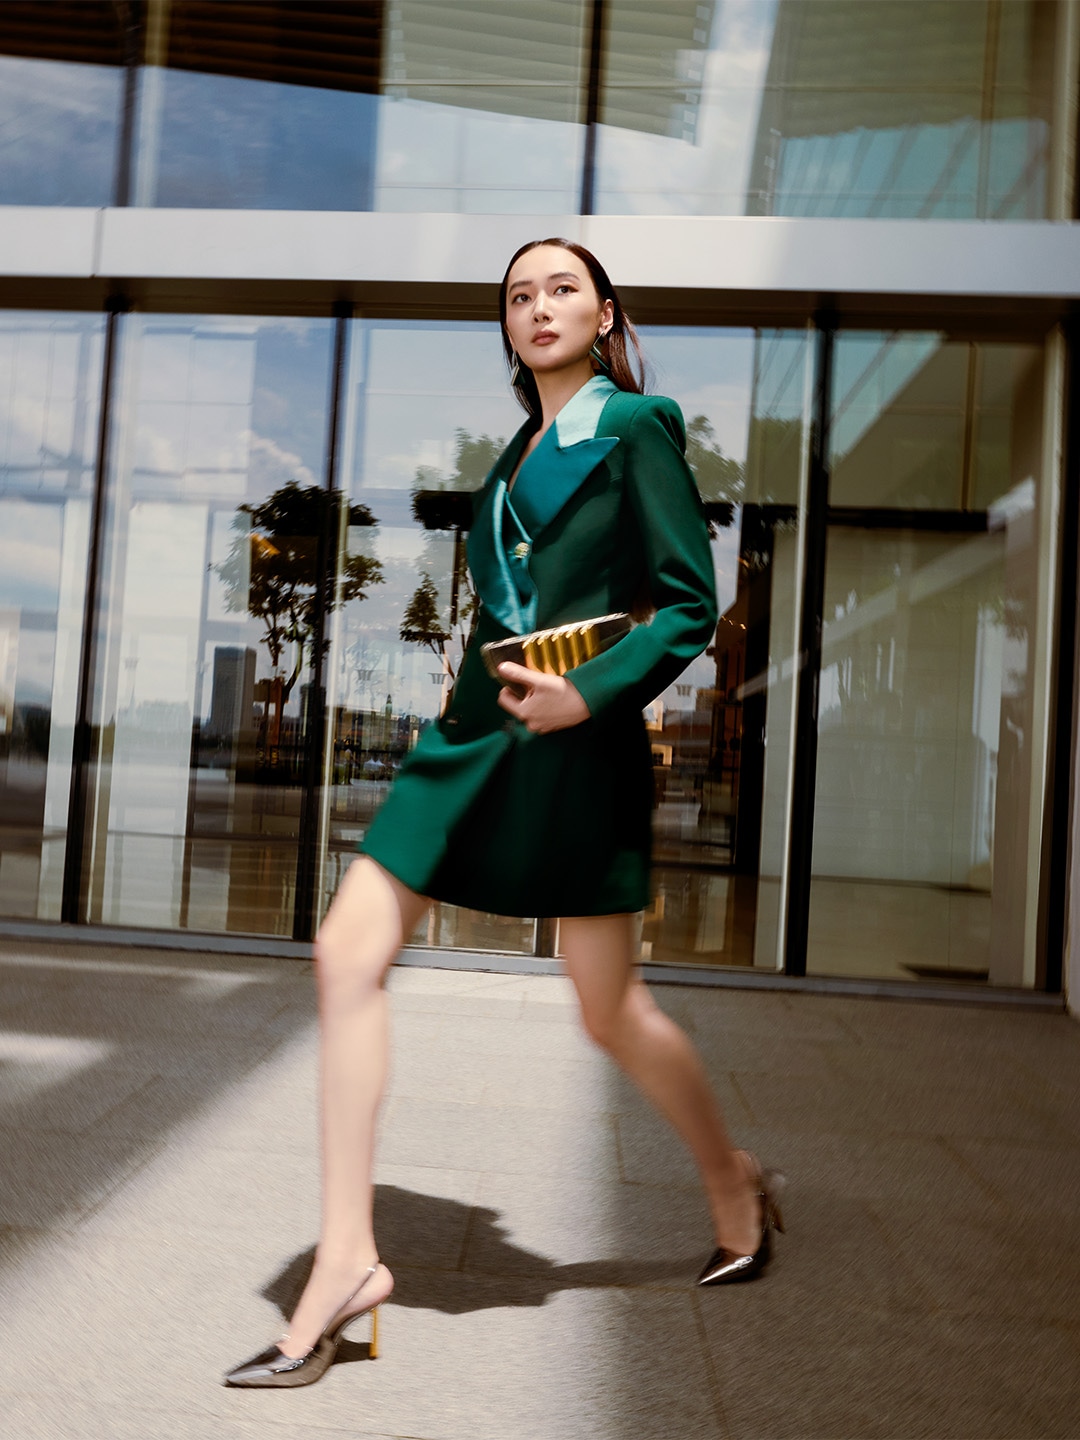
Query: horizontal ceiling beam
x=348, y=255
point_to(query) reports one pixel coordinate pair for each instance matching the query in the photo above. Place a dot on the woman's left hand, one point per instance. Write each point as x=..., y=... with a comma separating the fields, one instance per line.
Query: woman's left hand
x=550, y=702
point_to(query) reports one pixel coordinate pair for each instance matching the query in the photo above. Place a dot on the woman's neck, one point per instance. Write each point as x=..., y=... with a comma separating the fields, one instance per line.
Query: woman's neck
x=559, y=387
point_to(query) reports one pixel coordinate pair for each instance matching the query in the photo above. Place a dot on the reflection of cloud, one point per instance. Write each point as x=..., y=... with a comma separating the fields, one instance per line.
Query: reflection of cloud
x=58, y=125
x=273, y=466
x=642, y=173
x=29, y=573
x=30, y=86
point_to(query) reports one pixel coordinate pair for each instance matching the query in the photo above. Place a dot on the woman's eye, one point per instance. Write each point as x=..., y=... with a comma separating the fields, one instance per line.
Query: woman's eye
x=519, y=296
x=569, y=289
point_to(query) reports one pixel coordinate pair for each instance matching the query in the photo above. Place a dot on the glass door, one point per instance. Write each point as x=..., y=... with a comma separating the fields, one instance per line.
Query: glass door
x=929, y=723
x=723, y=733
x=202, y=701
x=50, y=384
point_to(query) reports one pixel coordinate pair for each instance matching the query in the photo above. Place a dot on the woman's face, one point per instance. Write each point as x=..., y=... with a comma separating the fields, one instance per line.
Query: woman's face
x=553, y=313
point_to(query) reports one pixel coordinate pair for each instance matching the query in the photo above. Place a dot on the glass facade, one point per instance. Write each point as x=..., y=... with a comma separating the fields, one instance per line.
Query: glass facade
x=902, y=108
x=232, y=580
x=62, y=81
x=928, y=672
x=50, y=392
x=722, y=734
x=216, y=504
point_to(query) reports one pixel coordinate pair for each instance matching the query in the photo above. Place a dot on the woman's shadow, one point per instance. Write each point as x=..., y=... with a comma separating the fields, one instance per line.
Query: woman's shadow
x=456, y=1258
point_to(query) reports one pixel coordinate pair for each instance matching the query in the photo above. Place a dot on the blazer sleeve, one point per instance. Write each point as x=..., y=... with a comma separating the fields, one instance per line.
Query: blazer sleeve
x=660, y=487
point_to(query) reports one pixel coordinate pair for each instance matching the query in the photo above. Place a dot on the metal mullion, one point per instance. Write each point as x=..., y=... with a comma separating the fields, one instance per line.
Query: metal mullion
x=804, y=774
x=132, y=33
x=592, y=106
x=308, y=866
x=1062, y=790
x=82, y=735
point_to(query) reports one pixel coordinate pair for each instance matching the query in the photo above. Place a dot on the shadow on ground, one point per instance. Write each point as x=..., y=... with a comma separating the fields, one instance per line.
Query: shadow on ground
x=102, y=1056
x=410, y=1224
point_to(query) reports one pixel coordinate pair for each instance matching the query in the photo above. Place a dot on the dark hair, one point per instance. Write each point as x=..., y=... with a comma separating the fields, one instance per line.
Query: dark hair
x=616, y=345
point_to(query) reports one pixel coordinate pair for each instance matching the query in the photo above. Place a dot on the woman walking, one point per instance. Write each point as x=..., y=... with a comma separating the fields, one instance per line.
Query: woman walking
x=534, y=797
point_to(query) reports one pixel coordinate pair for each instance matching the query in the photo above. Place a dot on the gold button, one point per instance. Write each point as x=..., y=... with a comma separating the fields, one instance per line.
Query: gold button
x=521, y=549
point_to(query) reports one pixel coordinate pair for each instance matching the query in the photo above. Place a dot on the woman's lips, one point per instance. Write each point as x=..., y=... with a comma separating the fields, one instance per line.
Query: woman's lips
x=545, y=337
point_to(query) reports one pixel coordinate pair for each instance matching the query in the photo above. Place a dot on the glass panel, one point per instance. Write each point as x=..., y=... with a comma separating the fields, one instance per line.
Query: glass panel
x=722, y=734
x=445, y=105
x=276, y=111
x=927, y=685
x=61, y=99
x=912, y=108
x=483, y=106
x=203, y=672
x=452, y=148
x=428, y=411
x=50, y=381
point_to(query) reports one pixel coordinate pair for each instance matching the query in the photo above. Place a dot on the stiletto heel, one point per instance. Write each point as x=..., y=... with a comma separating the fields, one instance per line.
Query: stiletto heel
x=724, y=1267
x=274, y=1369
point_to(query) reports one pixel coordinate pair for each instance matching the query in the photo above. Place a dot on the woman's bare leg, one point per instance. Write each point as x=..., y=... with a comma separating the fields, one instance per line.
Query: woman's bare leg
x=620, y=1015
x=371, y=917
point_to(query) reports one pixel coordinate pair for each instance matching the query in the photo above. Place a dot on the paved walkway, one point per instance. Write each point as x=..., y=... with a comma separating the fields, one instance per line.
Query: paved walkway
x=158, y=1202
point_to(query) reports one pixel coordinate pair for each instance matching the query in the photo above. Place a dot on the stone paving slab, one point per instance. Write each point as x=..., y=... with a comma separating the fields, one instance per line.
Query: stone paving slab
x=159, y=1204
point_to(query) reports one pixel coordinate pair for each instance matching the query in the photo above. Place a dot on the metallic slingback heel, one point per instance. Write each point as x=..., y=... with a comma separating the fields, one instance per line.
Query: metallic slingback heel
x=724, y=1267
x=274, y=1369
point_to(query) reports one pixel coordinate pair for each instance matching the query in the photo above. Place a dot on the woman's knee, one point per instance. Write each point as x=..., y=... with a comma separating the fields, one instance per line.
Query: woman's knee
x=361, y=934
x=348, y=958
x=612, y=1025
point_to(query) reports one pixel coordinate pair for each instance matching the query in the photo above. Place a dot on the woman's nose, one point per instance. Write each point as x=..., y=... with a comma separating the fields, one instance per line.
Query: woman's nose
x=541, y=307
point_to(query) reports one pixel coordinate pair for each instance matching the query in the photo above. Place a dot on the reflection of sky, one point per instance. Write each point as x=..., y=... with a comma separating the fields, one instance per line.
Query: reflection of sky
x=709, y=372
x=49, y=382
x=449, y=158
x=220, y=396
x=423, y=382
x=234, y=142
x=649, y=174
x=58, y=131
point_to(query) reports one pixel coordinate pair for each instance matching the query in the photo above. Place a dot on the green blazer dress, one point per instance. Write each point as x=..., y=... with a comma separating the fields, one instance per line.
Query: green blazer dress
x=485, y=814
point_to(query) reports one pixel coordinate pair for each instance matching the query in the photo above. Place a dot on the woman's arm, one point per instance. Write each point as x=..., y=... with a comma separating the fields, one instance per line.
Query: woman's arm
x=660, y=488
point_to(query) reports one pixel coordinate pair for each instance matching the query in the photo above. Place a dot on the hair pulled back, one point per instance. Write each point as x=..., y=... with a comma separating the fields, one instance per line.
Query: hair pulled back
x=617, y=347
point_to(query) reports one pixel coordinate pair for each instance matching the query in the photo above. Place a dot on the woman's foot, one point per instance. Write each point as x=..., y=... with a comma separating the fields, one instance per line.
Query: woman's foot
x=329, y=1297
x=747, y=1253
x=293, y=1362
x=736, y=1206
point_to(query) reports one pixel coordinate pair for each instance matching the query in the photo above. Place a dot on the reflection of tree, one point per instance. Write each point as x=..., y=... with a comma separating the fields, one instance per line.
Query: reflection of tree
x=272, y=569
x=719, y=477
x=441, y=504
x=421, y=624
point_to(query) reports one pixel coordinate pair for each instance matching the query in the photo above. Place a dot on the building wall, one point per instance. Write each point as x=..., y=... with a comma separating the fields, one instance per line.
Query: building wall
x=307, y=222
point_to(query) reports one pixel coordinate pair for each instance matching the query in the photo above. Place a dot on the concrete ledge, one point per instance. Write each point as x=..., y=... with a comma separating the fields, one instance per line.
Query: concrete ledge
x=723, y=254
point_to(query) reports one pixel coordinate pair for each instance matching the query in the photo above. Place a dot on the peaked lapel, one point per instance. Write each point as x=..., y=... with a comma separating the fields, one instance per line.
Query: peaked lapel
x=505, y=525
x=501, y=577
x=566, y=456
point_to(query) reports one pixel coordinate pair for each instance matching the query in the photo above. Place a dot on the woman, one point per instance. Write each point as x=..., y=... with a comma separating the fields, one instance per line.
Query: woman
x=536, y=799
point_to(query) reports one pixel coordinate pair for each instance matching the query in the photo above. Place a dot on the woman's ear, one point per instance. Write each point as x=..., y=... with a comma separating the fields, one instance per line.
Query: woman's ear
x=607, y=317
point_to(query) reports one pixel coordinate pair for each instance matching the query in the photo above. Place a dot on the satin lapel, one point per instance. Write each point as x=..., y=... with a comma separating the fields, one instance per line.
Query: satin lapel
x=566, y=456
x=488, y=560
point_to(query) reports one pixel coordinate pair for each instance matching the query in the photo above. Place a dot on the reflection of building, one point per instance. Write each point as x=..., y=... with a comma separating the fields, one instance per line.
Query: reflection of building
x=232, y=697
x=882, y=726
x=962, y=127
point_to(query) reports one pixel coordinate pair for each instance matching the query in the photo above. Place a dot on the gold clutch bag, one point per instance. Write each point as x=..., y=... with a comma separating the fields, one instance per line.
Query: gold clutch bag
x=555, y=651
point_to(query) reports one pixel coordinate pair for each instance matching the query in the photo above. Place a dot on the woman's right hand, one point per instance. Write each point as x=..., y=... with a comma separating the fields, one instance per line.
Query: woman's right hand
x=550, y=702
